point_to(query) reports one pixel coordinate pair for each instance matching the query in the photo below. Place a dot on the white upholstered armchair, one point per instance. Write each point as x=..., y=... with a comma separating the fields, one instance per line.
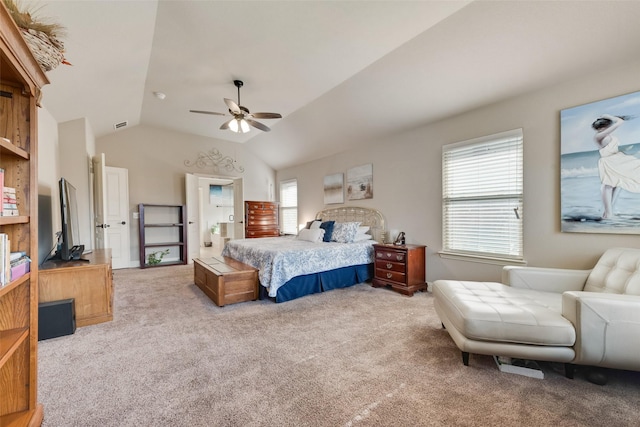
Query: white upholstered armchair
x=584, y=317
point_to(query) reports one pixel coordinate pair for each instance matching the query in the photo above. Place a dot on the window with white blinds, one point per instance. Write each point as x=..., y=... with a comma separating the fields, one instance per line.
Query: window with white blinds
x=289, y=206
x=482, y=197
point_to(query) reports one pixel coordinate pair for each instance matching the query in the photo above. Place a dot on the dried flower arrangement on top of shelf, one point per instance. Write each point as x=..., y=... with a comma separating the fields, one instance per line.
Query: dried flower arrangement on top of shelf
x=42, y=36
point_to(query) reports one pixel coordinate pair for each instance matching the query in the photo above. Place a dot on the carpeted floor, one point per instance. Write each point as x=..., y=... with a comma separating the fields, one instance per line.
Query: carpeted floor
x=352, y=357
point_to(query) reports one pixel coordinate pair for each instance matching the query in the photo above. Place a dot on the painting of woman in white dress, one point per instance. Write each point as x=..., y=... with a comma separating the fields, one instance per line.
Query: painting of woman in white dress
x=600, y=166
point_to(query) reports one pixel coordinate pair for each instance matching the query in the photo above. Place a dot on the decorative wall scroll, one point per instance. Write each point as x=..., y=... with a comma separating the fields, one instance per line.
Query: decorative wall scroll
x=215, y=160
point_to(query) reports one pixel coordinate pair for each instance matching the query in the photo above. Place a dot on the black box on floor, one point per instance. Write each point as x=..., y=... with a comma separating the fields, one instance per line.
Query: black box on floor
x=56, y=318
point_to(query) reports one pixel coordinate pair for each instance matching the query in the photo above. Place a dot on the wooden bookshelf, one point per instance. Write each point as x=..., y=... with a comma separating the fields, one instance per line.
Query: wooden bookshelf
x=21, y=79
x=163, y=227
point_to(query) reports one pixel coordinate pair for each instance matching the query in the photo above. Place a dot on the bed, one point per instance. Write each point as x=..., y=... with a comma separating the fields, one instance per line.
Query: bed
x=290, y=268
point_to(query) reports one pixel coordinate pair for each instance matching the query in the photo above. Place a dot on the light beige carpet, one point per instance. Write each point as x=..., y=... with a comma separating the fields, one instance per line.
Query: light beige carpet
x=352, y=357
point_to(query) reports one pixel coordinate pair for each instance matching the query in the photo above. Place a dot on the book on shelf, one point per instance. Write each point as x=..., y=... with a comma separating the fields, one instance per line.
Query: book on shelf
x=17, y=255
x=2, y=184
x=5, y=269
x=9, y=202
x=19, y=266
x=13, y=265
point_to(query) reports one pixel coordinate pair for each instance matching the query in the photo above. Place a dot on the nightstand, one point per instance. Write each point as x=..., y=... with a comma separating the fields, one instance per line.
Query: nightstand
x=401, y=267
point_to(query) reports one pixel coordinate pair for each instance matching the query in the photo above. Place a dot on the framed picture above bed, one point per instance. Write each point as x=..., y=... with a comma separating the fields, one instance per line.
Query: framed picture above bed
x=360, y=182
x=334, y=189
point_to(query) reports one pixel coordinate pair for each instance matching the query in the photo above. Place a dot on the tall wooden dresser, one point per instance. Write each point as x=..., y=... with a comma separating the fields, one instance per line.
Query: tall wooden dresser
x=261, y=219
x=20, y=81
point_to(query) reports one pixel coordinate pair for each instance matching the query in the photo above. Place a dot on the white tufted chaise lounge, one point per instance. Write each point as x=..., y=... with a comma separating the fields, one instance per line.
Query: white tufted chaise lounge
x=584, y=317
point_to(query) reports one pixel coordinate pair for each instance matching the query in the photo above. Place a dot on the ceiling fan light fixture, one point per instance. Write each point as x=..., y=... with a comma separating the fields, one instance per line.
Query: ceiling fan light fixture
x=242, y=118
x=244, y=126
x=239, y=126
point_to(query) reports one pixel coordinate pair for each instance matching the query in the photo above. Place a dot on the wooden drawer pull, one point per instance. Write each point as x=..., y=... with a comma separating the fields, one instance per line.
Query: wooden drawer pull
x=389, y=275
x=399, y=257
x=389, y=265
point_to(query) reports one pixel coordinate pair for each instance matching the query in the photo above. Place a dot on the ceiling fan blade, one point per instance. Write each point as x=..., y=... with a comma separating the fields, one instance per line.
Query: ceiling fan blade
x=267, y=115
x=225, y=125
x=235, y=108
x=258, y=125
x=207, y=112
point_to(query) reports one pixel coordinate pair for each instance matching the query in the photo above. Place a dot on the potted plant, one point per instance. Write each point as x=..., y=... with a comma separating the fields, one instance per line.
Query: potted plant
x=155, y=258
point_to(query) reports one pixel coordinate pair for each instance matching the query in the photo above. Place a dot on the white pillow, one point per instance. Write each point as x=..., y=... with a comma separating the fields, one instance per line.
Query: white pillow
x=344, y=232
x=315, y=225
x=362, y=237
x=311, y=235
x=363, y=229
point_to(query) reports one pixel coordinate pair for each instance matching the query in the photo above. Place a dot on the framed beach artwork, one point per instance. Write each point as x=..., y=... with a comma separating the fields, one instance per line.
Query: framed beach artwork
x=600, y=166
x=360, y=182
x=334, y=189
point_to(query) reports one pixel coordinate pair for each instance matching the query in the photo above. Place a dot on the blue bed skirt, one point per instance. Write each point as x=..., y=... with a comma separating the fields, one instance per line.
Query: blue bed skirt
x=325, y=281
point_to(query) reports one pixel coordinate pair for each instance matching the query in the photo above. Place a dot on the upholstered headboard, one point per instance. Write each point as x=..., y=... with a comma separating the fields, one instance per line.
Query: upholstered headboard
x=365, y=216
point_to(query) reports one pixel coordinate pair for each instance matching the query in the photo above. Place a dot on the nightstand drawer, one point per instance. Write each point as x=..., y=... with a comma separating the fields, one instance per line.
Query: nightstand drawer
x=392, y=255
x=393, y=276
x=391, y=266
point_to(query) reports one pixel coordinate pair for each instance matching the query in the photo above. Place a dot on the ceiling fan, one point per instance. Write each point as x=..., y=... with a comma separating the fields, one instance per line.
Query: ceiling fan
x=242, y=117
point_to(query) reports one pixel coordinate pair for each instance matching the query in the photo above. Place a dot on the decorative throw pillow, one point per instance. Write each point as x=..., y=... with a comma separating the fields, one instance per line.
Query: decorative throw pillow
x=362, y=237
x=345, y=232
x=315, y=224
x=311, y=235
x=327, y=226
x=363, y=229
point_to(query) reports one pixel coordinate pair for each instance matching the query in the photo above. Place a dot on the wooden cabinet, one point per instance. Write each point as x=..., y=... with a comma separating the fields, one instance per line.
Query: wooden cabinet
x=88, y=282
x=163, y=230
x=401, y=267
x=20, y=81
x=261, y=219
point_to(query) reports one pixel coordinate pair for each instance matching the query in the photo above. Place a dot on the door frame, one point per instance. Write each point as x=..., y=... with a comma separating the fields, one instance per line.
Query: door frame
x=194, y=219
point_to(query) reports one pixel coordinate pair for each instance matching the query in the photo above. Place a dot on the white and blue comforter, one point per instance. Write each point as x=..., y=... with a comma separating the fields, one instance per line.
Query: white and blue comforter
x=280, y=259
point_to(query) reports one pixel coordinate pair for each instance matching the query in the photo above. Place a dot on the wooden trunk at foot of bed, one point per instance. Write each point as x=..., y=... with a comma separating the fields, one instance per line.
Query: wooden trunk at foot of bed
x=225, y=280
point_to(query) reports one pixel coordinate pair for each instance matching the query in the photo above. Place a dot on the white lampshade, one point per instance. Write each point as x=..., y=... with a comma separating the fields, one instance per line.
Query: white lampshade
x=244, y=126
x=239, y=126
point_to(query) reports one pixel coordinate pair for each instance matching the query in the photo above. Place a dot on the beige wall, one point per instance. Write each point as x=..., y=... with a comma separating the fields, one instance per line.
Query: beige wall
x=76, y=147
x=65, y=150
x=48, y=175
x=407, y=176
x=156, y=159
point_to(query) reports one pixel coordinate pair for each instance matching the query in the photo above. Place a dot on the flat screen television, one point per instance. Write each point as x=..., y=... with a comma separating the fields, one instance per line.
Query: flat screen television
x=69, y=246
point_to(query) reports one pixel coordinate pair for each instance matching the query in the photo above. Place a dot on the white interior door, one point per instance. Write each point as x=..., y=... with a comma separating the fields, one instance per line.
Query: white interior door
x=100, y=203
x=193, y=220
x=117, y=218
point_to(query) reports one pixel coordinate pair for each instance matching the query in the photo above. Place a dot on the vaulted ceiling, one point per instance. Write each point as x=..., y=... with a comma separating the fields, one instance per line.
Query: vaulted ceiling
x=341, y=73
